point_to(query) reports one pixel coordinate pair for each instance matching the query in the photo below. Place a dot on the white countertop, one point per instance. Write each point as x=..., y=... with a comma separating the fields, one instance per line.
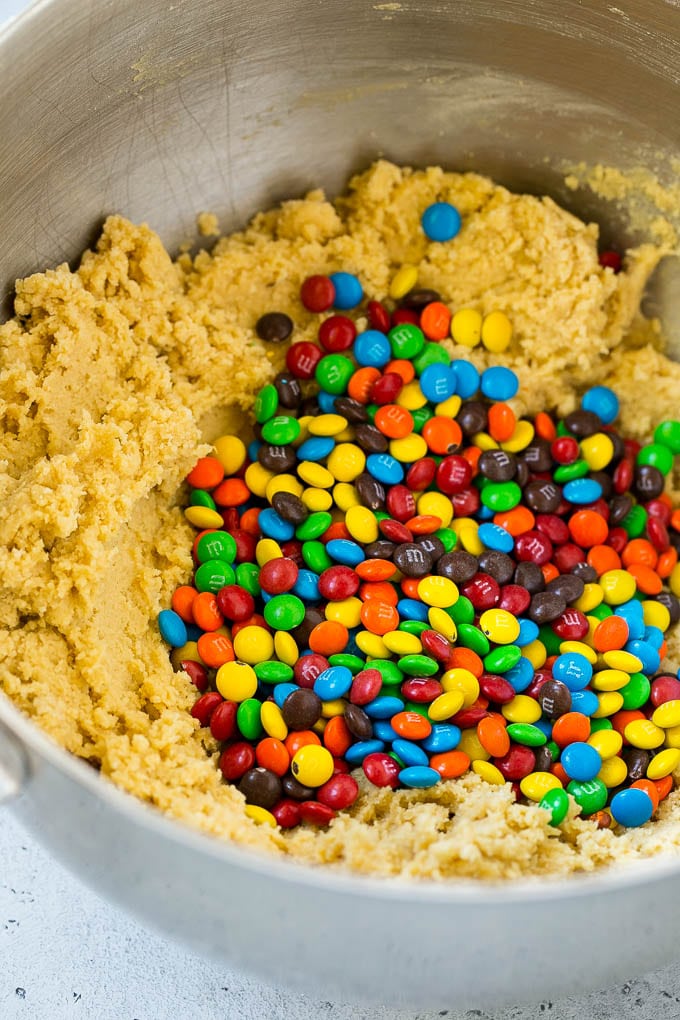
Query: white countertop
x=65, y=953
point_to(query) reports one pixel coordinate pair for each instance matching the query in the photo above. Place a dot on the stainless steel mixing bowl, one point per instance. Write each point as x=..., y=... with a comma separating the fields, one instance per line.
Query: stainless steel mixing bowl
x=161, y=110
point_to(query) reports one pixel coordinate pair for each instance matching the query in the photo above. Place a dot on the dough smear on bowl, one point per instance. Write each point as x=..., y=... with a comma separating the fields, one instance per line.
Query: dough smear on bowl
x=114, y=377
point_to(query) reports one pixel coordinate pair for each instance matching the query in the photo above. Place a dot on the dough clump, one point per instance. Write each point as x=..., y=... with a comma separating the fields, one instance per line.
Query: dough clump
x=115, y=376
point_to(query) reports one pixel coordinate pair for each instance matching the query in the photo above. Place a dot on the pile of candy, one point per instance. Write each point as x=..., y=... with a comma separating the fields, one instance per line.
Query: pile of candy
x=398, y=574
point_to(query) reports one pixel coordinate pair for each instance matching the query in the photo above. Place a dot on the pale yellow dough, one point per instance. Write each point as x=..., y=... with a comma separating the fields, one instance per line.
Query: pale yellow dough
x=115, y=374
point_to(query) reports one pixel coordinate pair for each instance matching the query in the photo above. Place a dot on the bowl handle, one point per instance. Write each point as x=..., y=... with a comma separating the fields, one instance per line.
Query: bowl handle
x=14, y=766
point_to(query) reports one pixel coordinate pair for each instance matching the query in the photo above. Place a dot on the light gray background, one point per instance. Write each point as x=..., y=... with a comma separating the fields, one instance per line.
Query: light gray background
x=65, y=953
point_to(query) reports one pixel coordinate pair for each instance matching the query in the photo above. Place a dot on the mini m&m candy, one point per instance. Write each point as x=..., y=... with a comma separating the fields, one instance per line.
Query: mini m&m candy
x=399, y=580
x=441, y=221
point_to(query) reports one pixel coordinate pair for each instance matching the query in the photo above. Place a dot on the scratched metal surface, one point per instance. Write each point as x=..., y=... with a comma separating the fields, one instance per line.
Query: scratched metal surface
x=174, y=119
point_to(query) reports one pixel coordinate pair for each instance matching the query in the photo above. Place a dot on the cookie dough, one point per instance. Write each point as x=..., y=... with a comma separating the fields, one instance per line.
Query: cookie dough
x=114, y=377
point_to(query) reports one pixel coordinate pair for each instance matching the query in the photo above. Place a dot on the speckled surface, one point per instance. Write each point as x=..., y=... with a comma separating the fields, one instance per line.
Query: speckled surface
x=67, y=954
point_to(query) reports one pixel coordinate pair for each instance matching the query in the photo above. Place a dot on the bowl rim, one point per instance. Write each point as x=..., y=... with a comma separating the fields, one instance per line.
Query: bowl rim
x=27, y=13
x=610, y=880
